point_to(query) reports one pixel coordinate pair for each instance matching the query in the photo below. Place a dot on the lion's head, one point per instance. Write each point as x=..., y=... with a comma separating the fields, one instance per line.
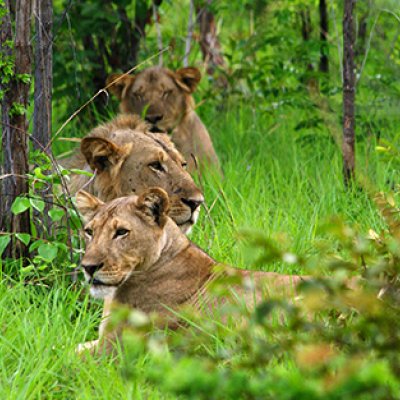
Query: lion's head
x=128, y=159
x=124, y=236
x=160, y=95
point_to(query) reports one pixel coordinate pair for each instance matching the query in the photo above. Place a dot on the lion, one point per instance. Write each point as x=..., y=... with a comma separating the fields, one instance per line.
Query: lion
x=136, y=256
x=127, y=159
x=165, y=99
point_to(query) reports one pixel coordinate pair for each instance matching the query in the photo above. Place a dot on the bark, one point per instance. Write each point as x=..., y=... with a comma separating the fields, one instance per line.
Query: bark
x=348, y=91
x=15, y=124
x=43, y=74
x=188, y=41
x=43, y=13
x=209, y=43
x=324, y=29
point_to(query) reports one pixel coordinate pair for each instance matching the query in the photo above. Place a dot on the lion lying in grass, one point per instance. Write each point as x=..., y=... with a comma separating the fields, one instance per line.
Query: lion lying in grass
x=137, y=256
x=164, y=98
x=128, y=158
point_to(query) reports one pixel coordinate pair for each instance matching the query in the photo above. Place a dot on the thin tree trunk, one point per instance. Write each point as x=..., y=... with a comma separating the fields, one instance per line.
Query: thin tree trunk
x=348, y=91
x=43, y=74
x=188, y=41
x=43, y=13
x=209, y=43
x=14, y=122
x=324, y=29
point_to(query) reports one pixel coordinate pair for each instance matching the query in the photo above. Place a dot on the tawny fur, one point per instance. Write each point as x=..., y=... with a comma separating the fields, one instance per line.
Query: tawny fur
x=122, y=153
x=165, y=97
x=153, y=266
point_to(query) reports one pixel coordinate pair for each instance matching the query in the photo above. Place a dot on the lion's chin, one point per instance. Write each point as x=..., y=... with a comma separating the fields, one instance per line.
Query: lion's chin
x=187, y=226
x=102, y=291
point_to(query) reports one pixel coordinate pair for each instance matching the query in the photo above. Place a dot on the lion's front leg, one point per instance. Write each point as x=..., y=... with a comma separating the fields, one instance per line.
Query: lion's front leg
x=93, y=345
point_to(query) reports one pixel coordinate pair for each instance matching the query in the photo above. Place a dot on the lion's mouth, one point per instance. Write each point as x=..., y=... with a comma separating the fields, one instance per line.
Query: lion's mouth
x=187, y=225
x=156, y=129
x=98, y=283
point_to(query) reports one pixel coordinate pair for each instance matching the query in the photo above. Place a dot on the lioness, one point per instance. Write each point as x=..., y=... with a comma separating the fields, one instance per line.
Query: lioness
x=128, y=158
x=137, y=256
x=164, y=96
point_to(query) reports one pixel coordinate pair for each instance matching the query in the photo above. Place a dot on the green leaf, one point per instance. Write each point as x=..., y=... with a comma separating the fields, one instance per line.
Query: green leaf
x=48, y=251
x=35, y=245
x=25, y=238
x=4, y=240
x=56, y=214
x=20, y=205
x=38, y=204
x=39, y=174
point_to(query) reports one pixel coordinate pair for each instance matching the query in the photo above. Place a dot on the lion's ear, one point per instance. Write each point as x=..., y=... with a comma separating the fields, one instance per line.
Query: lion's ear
x=153, y=204
x=101, y=153
x=87, y=204
x=122, y=82
x=188, y=78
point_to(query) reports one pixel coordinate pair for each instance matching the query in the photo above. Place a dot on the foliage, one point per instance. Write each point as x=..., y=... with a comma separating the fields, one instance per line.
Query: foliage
x=54, y=242
x=329, y=342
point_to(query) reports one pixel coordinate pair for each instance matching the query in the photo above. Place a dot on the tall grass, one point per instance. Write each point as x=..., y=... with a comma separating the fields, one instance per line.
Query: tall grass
x=276, y=179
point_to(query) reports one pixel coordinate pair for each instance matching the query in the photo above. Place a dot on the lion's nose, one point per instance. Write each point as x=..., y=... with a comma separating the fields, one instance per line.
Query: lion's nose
x=154, y=118
x=92, y=268
x=193, y=204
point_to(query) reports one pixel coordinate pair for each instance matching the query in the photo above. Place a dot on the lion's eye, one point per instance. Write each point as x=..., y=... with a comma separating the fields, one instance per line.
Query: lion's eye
x=89, y=232
x=184, y=164
x=156, y=166
x=121, y=232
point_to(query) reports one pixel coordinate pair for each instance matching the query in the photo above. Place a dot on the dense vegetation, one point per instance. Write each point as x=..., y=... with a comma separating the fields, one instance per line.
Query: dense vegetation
x=275, y=119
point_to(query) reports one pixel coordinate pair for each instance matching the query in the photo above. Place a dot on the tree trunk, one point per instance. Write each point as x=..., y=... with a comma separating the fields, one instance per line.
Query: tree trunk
x=43, y=74
x=348, y=91
x=209, y=43
x=14, y=122
x=324, y=29
x=43, y=95
x=188, y=41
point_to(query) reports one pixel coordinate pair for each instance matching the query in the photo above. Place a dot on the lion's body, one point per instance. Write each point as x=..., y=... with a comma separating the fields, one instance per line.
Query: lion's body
x=152, y=266
x=128, y=159
x=164, y=98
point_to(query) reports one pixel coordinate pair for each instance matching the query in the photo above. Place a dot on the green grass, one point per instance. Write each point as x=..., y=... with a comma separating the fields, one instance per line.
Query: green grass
x=277, y=179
